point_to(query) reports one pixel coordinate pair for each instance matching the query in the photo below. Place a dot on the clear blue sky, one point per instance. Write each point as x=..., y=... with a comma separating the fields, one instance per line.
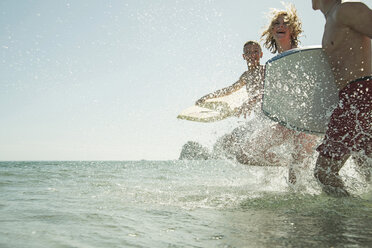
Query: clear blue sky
x=105, y=80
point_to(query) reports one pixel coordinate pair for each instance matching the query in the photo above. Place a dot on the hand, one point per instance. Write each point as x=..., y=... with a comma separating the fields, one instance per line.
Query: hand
x=200, y=101
x=203, y=99
x=242, y=110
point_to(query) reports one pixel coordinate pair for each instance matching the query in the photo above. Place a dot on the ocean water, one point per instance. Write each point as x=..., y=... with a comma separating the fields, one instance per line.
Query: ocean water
x=176, y=204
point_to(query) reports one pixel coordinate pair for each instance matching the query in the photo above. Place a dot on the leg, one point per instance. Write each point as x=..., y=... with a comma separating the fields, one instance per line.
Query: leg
x=268, y=139
x=304, y=146
x=326, y=172
x=292, y=178
x=349, y=130
x=298, y=156
x=242, y=157
x=226, y=146
x=364, y=163
x=232, y=142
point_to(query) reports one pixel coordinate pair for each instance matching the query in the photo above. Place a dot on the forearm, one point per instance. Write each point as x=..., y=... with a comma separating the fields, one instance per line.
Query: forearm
x=252, y=102
x=254, y=92
x=230, y=89
x=223, y=92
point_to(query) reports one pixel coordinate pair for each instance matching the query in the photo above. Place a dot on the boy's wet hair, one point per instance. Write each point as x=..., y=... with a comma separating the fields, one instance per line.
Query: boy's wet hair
x=294, y=24
x=251, y=42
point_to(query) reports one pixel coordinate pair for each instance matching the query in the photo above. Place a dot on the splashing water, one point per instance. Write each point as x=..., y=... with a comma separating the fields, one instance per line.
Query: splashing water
x=213, y=203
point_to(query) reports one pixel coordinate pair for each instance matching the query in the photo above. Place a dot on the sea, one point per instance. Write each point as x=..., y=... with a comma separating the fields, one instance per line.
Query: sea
x=211, y=203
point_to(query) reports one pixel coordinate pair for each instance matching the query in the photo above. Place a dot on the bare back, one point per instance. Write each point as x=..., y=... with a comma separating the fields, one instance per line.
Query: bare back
x=347, y=43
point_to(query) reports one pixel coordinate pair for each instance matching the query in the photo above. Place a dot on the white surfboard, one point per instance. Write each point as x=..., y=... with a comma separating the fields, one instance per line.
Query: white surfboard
x=200, y=114
x=299, y=90
x=215, y=109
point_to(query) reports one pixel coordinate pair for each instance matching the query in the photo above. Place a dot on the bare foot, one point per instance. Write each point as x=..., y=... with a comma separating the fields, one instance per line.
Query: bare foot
x=335, y=191
x=331, y=182
x=242, y=157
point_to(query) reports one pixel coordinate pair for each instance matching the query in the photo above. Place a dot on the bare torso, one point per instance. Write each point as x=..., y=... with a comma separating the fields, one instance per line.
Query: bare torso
x=254, y=80
x=349, y=52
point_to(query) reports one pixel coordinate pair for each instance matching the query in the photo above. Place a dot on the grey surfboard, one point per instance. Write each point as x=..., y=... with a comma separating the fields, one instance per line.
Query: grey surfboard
x=299, y=90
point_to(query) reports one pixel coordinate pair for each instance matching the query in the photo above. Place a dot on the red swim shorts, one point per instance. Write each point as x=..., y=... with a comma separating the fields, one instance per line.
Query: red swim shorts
x=350, y=127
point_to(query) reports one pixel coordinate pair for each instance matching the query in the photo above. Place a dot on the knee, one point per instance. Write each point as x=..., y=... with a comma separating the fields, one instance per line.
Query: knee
x=317, y=173
x=298, y=156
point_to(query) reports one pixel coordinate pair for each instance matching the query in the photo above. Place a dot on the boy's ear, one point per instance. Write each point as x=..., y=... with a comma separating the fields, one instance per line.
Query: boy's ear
x=261, y=54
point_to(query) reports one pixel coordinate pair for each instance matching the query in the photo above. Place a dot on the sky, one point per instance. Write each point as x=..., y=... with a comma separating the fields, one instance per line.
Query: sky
x=105, y=80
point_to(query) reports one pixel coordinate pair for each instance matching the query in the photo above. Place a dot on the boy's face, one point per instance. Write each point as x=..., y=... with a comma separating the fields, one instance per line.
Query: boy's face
x=252, y=54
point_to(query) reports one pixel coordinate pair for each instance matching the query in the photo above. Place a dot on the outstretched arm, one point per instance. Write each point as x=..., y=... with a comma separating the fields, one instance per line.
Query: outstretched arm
x=223, y=92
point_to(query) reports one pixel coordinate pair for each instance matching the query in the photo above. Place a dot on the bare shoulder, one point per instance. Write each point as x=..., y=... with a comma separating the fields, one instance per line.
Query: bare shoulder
x=243, y=78
x=349, y=11
x=353, y=6
x=244, y=75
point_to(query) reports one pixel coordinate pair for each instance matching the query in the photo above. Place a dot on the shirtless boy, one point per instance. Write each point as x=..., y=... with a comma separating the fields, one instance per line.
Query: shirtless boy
x=252, y=78
x=347, y=43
